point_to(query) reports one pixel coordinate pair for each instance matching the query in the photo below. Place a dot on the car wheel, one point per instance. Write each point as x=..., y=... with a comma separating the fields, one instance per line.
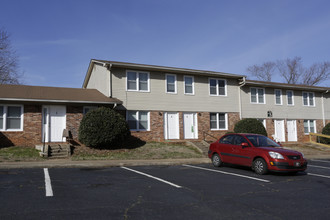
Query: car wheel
x=260, y=166
x=216, y=160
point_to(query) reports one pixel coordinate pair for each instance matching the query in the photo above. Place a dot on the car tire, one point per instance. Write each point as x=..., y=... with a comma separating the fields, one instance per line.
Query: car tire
x=260, y=166
x=216, y=160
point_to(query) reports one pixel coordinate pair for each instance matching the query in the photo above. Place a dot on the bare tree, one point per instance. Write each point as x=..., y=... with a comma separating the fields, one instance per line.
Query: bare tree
x=8, y=61
x=317, y=73
x=292, y=71
x=262, y=72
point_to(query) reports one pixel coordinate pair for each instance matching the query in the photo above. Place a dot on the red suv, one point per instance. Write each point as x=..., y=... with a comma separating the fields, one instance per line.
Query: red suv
x=256, y=151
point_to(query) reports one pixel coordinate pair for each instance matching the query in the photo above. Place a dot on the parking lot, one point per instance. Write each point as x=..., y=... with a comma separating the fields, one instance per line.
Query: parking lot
x=165, y=192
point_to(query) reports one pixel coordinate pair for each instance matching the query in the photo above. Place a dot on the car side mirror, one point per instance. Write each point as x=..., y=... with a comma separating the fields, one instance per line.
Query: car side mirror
x=244, y=145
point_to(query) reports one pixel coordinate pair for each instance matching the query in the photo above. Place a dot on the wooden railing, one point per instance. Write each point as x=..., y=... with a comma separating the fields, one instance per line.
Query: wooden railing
x=318, y=139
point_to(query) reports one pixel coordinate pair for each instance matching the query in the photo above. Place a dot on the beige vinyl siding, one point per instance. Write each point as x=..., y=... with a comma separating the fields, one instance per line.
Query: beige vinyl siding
x=100, y=79
x=297, y=111
x=326, y=106
x=157, y=99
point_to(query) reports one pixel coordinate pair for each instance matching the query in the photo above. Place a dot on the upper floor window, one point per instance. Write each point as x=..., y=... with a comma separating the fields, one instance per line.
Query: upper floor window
x=258, y=95
x=218, y=87
x=309, y=126
x=218, y=121
x=11, y=118
x=188, y=85
x=278, y=96
x=138, y=120
x=290, y=99
x=137, y=81
x=308, y=99
x=170, y=83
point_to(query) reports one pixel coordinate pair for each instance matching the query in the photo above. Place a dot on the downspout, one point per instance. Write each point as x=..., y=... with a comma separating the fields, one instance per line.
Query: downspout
x=323, y=112
x=241, y=84
x=110, y=79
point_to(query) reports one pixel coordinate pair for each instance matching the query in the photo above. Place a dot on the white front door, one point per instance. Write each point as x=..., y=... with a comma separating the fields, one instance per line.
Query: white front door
x=279, y=130
x=171, y=125
x=54, y=122
x=190, y=126
x=292, y=130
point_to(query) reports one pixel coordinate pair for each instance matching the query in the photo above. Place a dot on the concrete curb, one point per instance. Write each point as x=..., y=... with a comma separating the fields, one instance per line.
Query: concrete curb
x=67, y=163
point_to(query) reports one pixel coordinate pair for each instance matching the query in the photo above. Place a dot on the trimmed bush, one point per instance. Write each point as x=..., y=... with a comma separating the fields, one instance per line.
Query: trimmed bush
x=250, y=125
x=103, y=128
x=326, y=131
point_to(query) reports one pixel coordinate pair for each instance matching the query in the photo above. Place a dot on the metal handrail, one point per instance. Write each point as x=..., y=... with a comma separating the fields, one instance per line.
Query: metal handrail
x=205, y=133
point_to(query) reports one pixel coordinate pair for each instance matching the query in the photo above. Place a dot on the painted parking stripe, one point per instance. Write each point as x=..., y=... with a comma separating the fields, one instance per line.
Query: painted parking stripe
x=324, y=161
x=48, y=184
x=313, y=174
x=153, y=177
x=223, y=172
x=319, y=167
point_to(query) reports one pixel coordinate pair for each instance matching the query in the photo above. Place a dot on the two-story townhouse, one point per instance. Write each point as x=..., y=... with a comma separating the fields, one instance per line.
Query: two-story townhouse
x=167, y=103
x=288, y=112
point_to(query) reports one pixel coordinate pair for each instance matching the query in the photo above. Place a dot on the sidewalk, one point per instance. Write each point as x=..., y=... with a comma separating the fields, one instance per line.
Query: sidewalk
x=68, y=163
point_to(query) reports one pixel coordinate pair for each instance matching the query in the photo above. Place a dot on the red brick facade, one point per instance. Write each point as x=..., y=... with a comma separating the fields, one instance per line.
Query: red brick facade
x=156, y=132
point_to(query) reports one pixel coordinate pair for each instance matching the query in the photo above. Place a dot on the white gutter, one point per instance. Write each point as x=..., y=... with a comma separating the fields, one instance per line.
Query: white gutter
x=58, y=101
x=241, y=84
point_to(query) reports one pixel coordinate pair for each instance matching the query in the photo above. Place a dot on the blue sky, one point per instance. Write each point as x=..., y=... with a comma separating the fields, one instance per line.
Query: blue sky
x=56, y=39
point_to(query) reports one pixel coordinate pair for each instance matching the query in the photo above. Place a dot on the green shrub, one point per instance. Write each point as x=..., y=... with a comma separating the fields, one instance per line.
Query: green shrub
x=326, y=131
x=103, y=128
x=250, y=125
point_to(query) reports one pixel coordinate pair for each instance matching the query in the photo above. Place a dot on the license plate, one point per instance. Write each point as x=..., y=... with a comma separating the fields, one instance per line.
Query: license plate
x=297, y=164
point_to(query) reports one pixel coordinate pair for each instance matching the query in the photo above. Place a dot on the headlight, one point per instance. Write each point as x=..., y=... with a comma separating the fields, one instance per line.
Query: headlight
x=275, y=155
x=302, y=155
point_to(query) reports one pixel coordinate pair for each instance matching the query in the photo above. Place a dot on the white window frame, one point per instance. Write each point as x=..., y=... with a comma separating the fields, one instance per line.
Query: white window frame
x=137, y=121
x=308, y=99
x=281, y=102
x=5, y=111
x=287, y=98
x=175, y=84
x=257, y=95
x=138, y=81
x=218, y=126
x=217, y=86
x=309, y=125
x=193, y=85
x=89, y=108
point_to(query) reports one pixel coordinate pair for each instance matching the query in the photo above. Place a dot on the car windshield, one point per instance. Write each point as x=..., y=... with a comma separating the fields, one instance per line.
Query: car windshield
x=262, y=141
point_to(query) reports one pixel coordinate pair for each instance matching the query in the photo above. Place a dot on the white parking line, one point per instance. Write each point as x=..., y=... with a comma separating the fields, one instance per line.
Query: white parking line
x=223, y=172
x=153, y=177
x=324, y=161
x=49, y=190
x=313, y=174
x=319, y=167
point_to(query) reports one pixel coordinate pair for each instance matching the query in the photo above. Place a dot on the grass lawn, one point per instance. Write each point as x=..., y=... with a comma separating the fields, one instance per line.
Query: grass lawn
x=150, y=150
x=17, y=153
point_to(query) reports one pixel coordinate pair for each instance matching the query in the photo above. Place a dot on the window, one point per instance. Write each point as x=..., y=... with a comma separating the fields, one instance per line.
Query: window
x=218, y=121
x=217, y=87
x=137, y=81
x=278, y=96
x=309, y=126
x=308, y=99
x=11, y=118
x=188, y=85
x=170, y=83
x=289, y=95
x=258, y=95
x=227, y=139
x=138, y=120
x=88, y=108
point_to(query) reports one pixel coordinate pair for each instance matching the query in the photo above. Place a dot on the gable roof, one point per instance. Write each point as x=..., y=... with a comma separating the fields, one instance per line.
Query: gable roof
x=54, y=94
x=286, y=86
x=147, y=67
